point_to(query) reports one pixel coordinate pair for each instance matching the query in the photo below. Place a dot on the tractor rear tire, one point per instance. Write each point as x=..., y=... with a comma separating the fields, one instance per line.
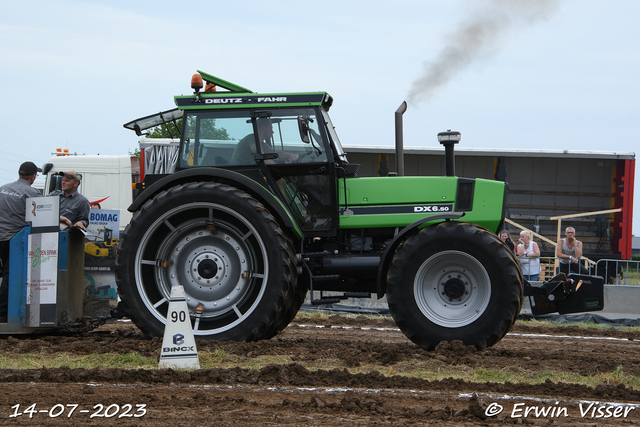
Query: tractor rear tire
x=226, y=250
x=298, y=296
x=454, y=281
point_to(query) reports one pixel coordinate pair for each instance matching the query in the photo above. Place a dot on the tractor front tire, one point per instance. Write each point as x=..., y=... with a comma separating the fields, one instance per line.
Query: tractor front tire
x=454, y=281
x=223, y=246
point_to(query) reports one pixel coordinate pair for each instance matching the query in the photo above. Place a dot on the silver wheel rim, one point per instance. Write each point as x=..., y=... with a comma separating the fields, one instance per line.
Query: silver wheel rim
x=214, y=253
x=452, y=289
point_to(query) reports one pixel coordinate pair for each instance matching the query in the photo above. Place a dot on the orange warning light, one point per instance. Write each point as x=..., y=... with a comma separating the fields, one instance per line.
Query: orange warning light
x=210, y=87
x=196, y=82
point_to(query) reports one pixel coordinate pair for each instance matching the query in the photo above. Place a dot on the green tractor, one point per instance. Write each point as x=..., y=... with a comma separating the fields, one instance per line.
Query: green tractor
x=262, y=206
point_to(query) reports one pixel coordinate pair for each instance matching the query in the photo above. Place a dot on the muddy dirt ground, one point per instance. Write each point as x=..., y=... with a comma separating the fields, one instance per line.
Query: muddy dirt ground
x=289, y=394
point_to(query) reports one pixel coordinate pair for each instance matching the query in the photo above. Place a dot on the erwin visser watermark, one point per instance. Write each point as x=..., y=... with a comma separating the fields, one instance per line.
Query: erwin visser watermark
x=593, y=410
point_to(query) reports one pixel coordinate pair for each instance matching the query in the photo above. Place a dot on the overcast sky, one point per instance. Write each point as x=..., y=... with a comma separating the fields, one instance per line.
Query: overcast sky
x=506, y=73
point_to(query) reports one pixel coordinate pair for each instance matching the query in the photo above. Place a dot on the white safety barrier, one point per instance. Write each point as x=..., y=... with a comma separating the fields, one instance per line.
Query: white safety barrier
x=618, y=272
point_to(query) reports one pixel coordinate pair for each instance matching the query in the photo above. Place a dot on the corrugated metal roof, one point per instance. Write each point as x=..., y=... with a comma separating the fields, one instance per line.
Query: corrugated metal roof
x=492, y=152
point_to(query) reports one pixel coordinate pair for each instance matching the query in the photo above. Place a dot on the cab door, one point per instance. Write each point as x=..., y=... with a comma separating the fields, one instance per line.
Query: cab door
x=295, y=152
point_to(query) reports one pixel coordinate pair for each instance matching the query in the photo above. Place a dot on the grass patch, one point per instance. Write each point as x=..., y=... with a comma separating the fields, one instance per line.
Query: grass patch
x=631, y=277
x=522, y=376
x=316, y=314
x=302, y=315
x=102, y=361
x=586, y=325
x=212, y=358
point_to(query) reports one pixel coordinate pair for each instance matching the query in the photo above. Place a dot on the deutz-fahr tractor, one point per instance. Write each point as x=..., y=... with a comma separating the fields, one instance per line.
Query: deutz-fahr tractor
x=260, y=205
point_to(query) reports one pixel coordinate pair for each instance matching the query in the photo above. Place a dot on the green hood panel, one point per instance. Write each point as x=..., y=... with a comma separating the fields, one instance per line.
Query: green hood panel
x=398, y=190
x=400, y=201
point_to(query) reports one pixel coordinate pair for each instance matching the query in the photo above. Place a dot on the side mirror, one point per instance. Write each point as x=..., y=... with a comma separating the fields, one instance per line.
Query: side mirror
x=303, y=127
x=55, y=183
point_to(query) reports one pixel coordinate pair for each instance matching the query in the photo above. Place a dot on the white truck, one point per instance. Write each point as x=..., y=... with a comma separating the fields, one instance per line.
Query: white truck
x=110, y=180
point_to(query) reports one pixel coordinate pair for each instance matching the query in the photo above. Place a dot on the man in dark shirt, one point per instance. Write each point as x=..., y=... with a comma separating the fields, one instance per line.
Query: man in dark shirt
x=74, y=207
x=244, y=152
x=13, y=198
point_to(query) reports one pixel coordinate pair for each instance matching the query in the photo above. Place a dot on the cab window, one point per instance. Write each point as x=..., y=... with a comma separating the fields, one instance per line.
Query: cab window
x=292, y=132
x=233, y=138
x=211, y=137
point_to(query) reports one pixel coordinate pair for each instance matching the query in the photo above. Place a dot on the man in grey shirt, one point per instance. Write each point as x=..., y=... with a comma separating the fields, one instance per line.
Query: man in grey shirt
x=74, y=207
x=13, y=199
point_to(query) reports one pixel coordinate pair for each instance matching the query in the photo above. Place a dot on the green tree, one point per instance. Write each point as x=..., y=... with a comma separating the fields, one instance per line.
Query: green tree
x=168, y=131
x=135, y=152
x=208, y=130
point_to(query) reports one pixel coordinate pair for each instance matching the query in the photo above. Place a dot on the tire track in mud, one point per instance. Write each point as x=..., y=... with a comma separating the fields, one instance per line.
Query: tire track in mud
x=287, y=394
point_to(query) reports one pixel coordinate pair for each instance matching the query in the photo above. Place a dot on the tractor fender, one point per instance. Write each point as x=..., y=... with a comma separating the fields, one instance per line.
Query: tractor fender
x=403, y=235
x=225, y=176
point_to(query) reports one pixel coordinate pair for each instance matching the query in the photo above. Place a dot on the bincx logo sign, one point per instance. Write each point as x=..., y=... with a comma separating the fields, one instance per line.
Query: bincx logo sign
x=178, y=339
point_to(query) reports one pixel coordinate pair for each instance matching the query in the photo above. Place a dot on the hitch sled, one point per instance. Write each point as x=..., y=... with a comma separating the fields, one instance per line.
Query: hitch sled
x=564, y=294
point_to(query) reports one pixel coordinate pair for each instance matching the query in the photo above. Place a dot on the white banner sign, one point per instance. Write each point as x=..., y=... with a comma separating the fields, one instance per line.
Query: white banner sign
x=43, y=211
x=42, y=278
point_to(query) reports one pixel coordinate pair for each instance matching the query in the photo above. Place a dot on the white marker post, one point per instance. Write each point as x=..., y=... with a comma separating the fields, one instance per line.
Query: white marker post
x=179, y=345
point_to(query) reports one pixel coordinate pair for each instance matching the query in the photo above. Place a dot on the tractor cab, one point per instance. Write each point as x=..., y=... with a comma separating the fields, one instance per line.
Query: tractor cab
x=286, y=142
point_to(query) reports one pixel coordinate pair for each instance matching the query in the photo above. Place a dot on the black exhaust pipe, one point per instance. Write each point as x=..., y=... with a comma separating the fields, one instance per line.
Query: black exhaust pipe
x=449, y=140
x=400, y=139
